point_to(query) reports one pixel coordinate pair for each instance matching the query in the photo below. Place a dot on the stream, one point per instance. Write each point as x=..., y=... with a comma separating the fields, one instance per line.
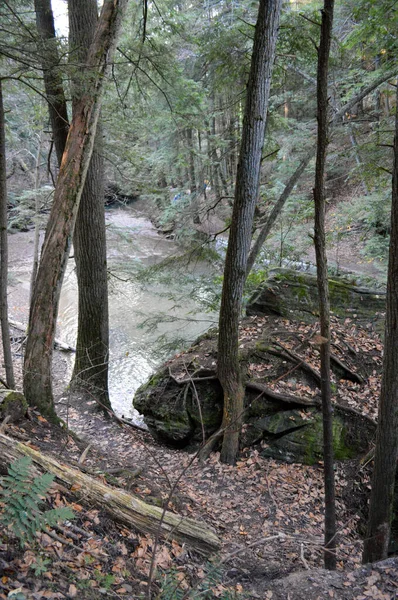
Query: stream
x=133, y=243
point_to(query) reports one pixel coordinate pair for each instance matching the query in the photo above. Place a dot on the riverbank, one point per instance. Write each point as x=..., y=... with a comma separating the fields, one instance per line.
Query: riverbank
x=267, y=514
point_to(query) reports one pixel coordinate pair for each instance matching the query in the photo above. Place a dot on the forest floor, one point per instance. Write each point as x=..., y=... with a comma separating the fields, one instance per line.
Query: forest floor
x=267, y=514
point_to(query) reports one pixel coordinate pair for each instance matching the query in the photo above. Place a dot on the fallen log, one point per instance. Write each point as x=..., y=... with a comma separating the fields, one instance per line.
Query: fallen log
x=57, y=343
x=120, y=505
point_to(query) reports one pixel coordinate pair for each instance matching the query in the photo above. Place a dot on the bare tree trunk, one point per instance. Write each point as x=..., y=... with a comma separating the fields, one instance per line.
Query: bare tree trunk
x=70, y=183
x=246, y=193
x=386, y=453
x=323, y=285
x=52, y=78
x=92, y=345
x=5, y=330
x=277, y=209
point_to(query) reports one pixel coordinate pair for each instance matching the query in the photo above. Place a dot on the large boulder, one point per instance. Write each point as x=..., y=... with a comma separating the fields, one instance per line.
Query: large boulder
x=179, y=411
x=294, y=294
x=183, y=401
x=296, y=435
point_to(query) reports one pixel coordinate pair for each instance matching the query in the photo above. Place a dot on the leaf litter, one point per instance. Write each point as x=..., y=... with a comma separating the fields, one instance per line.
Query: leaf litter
x=268, y=514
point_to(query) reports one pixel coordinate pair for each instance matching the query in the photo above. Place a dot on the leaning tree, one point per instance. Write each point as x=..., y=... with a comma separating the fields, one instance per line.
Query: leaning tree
x=69, y=187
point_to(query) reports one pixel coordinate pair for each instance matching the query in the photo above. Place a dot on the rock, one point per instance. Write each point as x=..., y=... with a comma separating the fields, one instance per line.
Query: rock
x=174, y=412
x=290, y=427
x=294, y=295
x=297, y=435
x=12, y=404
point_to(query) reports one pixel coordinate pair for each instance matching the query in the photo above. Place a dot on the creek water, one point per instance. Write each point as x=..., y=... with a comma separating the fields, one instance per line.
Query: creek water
x=132, y=243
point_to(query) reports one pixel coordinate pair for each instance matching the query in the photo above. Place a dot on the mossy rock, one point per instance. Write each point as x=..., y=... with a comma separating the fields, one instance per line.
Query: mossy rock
x=297, y=435
x=294, y=294
x=178, y=407
x=12, y=404
x=175, y=413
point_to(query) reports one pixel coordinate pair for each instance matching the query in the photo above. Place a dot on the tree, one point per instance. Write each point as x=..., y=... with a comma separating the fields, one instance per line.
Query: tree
x=89, y=240
x=386, y=452
x=5, y=331
x=71, y=179
x=53, y=85
x=322, y=280
x=92, y=346
x=246, y=194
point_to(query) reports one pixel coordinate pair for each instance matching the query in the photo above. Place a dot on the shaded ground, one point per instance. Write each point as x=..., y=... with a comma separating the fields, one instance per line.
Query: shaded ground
x=267, y=514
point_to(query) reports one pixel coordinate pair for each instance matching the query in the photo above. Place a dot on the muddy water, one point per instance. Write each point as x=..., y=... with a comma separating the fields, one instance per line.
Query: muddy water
x=132, y=243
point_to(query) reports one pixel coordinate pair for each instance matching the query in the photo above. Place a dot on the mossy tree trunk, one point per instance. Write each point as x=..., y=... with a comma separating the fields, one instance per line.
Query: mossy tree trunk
x=322, y=279
x=119, y=504
x=386, y=453
x=246, y=194
x=70, y=183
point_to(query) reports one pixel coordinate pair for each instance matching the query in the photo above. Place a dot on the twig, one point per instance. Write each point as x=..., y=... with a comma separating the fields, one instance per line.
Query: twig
x=83, y=455
x=58, y=538
x=4, y=423
x=303, y=560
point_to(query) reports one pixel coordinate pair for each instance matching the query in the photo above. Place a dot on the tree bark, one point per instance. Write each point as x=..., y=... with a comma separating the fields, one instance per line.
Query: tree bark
x=322, y=280
x=246, y=192
x=119, y=504
x=52, y=78
x=386, y=452
x=5, y=330
x=70, y=183
x=92, y=345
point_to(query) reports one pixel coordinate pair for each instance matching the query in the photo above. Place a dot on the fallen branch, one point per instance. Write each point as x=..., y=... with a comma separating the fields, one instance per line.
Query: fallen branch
x=278, y=397
x=120, y=505
x=348, y=374
x=295, y=357
x=57, y=343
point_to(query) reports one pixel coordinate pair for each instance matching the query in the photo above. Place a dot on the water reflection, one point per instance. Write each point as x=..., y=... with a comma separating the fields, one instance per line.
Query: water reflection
x=133, y=242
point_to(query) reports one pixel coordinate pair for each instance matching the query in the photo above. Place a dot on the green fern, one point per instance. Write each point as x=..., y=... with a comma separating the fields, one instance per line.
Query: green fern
x=21, y=496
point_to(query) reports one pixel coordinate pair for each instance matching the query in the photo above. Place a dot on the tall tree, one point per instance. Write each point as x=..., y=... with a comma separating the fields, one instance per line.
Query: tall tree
x=92, y=346
x=5, y=330
x=70, y=183
x=246, y=194
x=386, y=453
x=322, y=279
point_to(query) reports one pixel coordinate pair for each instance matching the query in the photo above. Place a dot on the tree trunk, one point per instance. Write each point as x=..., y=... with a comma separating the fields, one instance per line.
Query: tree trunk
x=277, y=209
x=5, y=330
x=246, y=192
x=119, y=504
x=92, y=345
x=70, y=183
x=52, y=77
x=192, y=177
x=322, y=279
x=386, y=453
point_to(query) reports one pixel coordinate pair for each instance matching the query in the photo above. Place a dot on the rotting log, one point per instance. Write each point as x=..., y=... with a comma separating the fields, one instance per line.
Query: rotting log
x=120, y=505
